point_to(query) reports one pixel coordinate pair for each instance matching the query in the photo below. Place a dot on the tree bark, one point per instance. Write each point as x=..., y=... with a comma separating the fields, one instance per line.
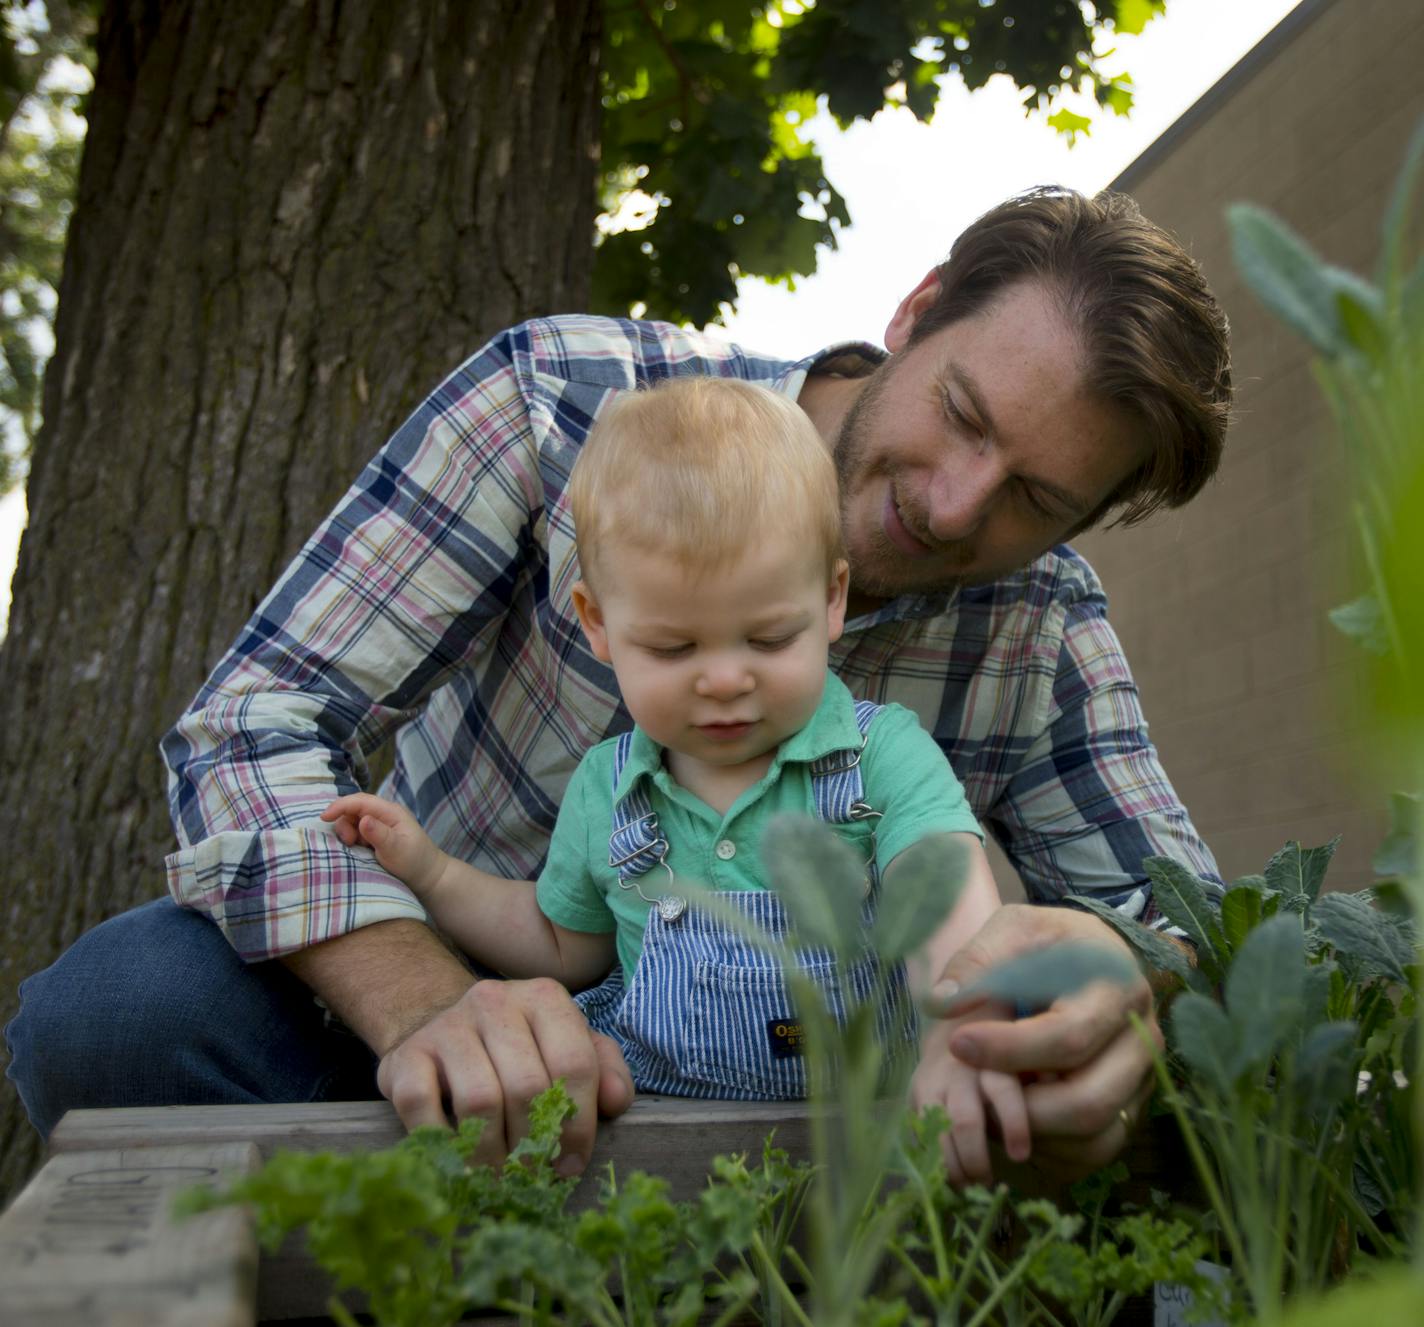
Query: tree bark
x=293, y=218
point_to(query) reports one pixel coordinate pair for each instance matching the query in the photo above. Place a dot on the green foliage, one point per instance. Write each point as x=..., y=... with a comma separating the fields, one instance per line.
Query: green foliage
x=1368, y=336
x=705, y=107
x=1289, y=1088
x=39, y=162
x=427, y=1237
x=1036, y=980
x=1398, y=855
x=1396, y=1295
x=928, y=877
x=1370, y=339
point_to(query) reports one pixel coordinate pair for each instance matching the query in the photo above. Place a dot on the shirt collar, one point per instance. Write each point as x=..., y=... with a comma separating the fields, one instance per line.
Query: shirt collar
x=848, y=359
x=831, y=728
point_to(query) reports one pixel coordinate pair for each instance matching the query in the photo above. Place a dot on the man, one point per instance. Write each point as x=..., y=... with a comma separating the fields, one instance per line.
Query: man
x=1065, y=362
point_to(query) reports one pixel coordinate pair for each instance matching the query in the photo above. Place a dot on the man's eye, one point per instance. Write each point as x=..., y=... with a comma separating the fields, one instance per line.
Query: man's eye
x=773, y=644
x=1034, y=504
x=955, y=415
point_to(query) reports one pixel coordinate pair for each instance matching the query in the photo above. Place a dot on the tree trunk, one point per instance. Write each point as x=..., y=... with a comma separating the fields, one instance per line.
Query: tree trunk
x=293, y=218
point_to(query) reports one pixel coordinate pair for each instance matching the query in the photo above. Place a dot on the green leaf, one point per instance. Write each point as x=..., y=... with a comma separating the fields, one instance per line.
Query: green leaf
x=1037, y=979
x=1363, y=622
x=1394, y=230
x=821, y=881
x=1204, y=1038
x=1070, y=125
x=1183, y=901
x=1286, y=276
x=1324, y=1073
x=1360, y=932
x=1361, y=311
x=1394, y=1295
x=1241, y=913
x=1398, y=854
x=1265, y=990
x=1153, y=948
x=921, y=888
x=1131, y=16
x=1298, y=872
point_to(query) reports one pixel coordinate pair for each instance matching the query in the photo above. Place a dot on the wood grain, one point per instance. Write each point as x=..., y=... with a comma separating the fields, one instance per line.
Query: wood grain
x=90, y=1243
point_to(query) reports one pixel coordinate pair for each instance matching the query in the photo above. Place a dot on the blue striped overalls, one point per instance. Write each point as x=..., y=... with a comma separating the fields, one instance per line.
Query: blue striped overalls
x=707, y=1014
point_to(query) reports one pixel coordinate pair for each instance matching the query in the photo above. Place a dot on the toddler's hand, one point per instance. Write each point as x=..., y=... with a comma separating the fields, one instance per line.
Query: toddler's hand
x=964, y=1092
x=400, y=845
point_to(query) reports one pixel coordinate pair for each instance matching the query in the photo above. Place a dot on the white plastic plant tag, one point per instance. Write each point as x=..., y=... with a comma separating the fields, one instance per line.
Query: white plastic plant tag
x=1171, y=1302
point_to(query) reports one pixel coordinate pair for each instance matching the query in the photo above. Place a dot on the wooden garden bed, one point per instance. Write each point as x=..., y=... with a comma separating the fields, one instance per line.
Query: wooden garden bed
x=89, y=1241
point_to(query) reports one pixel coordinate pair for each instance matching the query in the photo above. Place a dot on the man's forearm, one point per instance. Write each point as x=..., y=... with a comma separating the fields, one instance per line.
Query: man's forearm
x=383, y=981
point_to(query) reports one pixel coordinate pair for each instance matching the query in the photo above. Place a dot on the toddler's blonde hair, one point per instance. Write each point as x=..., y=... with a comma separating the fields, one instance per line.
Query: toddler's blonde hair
x=698, y=469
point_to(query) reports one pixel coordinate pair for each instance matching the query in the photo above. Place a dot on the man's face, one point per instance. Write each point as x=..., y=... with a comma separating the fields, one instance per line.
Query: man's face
x=969, y=454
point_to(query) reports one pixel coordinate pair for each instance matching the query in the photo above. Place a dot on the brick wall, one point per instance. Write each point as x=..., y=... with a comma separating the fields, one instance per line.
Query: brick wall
x=1221, y=606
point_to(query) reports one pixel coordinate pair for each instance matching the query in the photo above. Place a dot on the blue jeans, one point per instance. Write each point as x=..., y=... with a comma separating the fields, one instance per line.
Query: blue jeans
x=154, y=1008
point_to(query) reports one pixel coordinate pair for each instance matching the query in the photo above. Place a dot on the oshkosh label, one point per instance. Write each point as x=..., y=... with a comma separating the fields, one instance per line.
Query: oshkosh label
x=786, y=1037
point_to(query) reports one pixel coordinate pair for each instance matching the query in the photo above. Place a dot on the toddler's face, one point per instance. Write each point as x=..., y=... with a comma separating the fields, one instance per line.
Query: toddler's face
x=720, y=667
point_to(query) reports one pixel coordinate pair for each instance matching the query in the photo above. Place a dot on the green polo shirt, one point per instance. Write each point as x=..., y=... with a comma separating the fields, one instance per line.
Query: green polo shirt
x=906, y=777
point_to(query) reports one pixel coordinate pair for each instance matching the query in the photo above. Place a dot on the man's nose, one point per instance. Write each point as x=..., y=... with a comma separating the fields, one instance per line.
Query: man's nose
x=964, y=489
x=724, y=677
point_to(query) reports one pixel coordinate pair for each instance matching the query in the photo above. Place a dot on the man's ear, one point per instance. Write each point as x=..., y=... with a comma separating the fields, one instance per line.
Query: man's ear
x=590, y=617
x=836, y=597
x=897, y=334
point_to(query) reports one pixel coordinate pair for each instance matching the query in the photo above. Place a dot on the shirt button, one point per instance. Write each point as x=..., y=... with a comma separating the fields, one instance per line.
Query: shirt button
x=726, y=850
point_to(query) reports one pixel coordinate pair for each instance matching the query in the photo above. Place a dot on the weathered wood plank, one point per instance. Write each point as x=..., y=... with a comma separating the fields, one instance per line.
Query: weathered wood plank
x=90, y=1243
x=667, y=1136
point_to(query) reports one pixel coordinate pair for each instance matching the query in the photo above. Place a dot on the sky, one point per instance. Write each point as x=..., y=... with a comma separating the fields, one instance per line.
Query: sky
x=911, y=188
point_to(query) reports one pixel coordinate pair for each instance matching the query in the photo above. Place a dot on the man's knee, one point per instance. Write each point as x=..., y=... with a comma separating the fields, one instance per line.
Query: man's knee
x=153, y=1007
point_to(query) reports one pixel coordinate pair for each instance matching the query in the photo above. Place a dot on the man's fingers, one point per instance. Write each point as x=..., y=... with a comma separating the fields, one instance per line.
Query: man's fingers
x=567, y=1049
x=1086, y=1103
x=1060, y=1039
x=615, y=1081
x=411, y=1081
x=496, y=1049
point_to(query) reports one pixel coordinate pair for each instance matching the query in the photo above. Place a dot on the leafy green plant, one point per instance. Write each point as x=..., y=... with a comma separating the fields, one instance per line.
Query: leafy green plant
x=1369, y=341
x=858, y=1142
x=1287, y=1088
x=1297, y=1091
x=426, y=1236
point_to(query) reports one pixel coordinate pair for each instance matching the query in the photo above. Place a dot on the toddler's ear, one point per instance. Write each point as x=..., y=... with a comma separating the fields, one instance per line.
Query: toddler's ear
x=590, y=617
x=836, y=597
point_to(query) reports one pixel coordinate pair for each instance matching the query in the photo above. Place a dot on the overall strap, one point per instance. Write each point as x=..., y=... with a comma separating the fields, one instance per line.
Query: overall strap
x=636, y=844
x=836, y=783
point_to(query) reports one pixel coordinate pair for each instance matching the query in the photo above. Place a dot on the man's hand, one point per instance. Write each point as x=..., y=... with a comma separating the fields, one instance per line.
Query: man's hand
x=1094, y=1074
x=451, y=1047
x=492, y=1052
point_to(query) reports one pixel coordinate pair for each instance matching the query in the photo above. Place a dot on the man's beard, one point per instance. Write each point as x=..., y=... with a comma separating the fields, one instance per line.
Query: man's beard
x=874, y=568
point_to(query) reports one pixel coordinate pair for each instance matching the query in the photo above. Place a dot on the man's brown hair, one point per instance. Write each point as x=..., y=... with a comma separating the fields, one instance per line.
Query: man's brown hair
x=1153, y=337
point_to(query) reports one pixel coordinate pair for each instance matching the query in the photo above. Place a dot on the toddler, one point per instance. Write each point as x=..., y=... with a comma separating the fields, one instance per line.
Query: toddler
x=713, y=583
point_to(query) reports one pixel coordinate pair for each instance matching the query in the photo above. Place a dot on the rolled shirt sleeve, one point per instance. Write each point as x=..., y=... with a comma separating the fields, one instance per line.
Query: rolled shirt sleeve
x=407, y=580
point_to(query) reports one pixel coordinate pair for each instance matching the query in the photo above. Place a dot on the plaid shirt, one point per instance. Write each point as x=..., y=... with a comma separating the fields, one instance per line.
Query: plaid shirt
x=433, y=606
